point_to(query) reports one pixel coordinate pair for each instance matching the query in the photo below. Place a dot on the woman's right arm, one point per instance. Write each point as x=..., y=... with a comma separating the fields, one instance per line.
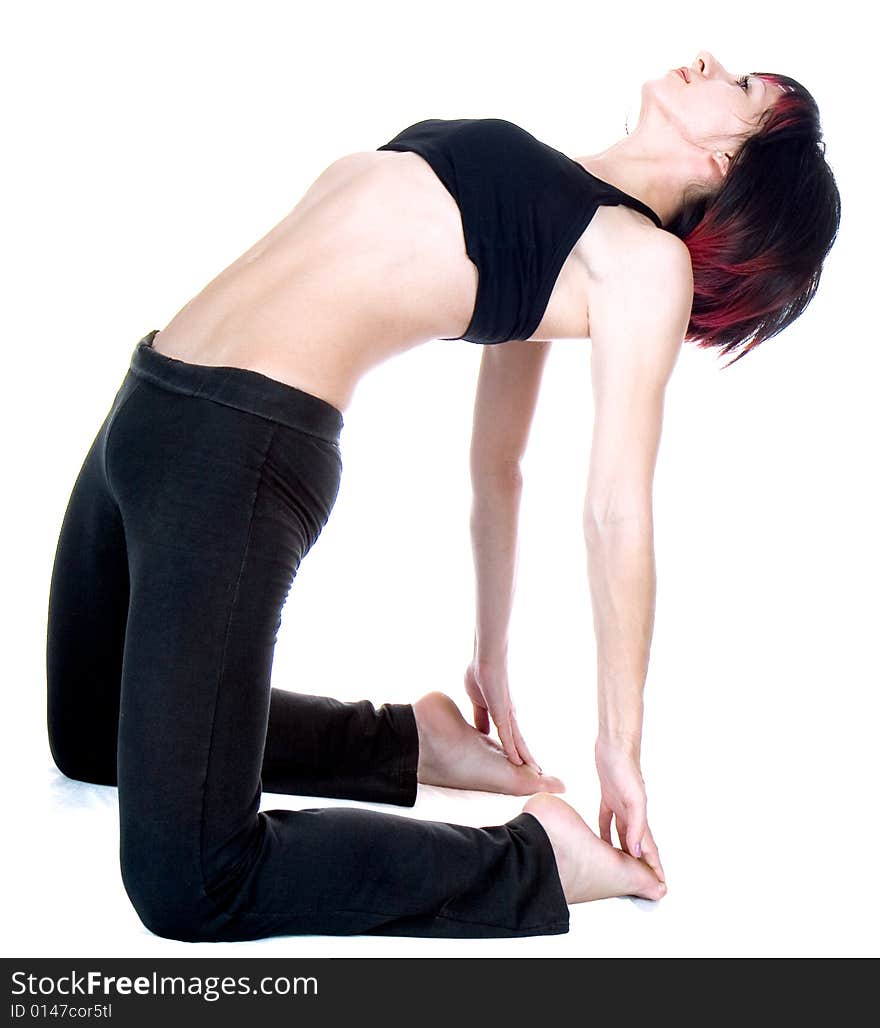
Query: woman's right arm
x=507, y=393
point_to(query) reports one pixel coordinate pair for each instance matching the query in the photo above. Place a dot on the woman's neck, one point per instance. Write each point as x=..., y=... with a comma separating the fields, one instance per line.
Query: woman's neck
x=648, y=170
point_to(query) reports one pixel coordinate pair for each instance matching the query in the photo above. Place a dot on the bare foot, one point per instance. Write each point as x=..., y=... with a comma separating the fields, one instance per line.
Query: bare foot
x=454, y=754
x=590, y=869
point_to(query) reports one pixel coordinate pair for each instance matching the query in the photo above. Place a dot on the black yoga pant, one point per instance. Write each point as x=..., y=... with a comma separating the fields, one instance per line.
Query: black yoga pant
x=199, y=497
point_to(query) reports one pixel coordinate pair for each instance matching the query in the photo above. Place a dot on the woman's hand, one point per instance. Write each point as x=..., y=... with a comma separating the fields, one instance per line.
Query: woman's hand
x=624, y=799
x=488, y=690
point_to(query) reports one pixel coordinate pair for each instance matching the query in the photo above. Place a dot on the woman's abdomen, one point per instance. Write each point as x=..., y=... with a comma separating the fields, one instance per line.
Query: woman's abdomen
x=370, y=263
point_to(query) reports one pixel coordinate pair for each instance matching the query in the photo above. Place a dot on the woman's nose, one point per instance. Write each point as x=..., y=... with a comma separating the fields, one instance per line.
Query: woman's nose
x=705, y=63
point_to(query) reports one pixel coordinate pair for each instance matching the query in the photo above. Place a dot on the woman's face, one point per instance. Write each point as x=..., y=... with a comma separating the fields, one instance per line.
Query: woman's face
x=715, y=107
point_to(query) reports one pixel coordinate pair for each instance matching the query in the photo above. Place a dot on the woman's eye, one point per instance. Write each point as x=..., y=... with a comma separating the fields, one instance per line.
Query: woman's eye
x=744, y=83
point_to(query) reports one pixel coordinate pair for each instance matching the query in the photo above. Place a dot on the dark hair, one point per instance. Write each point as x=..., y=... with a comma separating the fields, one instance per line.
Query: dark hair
x=757, y=245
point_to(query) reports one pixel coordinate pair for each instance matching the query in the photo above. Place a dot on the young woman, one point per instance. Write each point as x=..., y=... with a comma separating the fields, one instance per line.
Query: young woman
x=219, y=464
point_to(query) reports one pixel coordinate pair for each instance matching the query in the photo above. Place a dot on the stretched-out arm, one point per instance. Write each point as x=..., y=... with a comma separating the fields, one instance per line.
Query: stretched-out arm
x=507, y=392
x=638, y=320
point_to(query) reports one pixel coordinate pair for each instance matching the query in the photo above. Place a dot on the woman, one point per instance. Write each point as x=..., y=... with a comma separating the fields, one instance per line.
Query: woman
x=219, y=463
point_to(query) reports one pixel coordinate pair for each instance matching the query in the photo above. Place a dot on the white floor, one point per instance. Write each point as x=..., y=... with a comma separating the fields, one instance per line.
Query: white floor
x=734, y=894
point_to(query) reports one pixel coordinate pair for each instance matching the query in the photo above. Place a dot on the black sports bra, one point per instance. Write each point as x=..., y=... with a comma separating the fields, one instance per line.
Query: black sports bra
x=523, y=207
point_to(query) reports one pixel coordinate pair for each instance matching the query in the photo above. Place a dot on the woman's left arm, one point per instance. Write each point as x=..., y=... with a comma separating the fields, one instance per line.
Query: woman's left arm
x=638, y=319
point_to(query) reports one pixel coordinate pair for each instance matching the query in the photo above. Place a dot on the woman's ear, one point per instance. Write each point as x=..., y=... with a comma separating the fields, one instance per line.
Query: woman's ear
x=721, y=160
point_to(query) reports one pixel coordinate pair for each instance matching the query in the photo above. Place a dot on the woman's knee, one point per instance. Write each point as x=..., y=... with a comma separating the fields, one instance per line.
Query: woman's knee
x=165, y=887
x=172, y=908
x=164, y=877
x=80, y=764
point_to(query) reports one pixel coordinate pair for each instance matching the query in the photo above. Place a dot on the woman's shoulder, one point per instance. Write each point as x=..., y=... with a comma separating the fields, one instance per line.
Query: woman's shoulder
x=625, y=244
x=645, y=287
x=668, y=258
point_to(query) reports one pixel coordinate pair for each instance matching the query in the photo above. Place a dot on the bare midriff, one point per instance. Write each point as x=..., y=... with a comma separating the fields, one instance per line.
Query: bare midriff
x=370, y=263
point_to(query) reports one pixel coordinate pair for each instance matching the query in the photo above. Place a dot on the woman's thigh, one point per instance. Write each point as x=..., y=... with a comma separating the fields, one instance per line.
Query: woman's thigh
x=85, y=631
x=219, y=507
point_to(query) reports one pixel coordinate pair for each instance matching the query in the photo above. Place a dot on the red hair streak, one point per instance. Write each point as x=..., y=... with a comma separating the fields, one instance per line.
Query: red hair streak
x=758, y=244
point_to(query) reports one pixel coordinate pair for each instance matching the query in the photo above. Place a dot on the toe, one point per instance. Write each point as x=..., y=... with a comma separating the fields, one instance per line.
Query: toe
x=645, y=883
x=547, y=783
x=523, y=780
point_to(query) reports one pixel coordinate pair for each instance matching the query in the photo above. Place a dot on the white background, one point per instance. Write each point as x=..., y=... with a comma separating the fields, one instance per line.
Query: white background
x=147, y=146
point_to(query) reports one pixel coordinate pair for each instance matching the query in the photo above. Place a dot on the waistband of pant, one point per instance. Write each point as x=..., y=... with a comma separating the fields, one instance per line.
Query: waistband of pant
x=242, y=388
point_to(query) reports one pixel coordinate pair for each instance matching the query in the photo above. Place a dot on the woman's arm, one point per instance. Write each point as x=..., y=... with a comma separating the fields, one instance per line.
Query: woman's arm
x=638, y=321
x=506, y=396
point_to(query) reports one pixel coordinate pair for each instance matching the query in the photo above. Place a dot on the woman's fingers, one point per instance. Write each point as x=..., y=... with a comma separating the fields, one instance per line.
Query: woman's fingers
x=522, y=749
x=475, y=694
x=651, y=855
x=605, y=814
x=640, y=842
x=621, y=832
x=505, y=734
x=481, y=719
x=635, y=833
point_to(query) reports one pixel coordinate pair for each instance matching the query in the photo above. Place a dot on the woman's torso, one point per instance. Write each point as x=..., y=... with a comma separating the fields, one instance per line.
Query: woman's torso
x=371, y=262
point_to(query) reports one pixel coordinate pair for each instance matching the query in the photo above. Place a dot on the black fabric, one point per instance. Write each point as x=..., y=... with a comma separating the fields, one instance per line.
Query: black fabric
x=200, y=495
x=523, y=207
